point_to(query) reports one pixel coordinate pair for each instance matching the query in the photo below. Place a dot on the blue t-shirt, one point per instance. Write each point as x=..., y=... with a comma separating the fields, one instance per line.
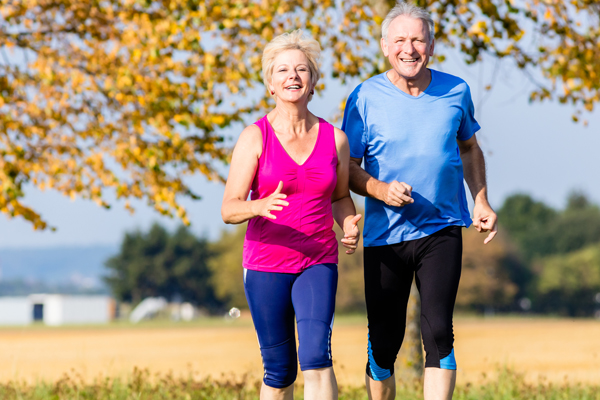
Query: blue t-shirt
x=413, y=140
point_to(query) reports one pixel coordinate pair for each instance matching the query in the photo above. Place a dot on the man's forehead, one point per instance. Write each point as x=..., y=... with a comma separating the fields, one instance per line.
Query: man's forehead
x=403, y=24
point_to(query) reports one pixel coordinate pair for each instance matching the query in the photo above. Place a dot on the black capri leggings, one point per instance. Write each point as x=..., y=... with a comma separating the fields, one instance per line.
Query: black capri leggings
x=435, y=261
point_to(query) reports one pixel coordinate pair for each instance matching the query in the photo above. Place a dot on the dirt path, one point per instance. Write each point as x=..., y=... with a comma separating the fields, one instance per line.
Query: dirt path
x=553, y=348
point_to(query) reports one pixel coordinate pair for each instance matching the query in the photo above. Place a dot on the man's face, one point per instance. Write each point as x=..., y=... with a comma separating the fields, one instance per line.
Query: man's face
x=407, y=47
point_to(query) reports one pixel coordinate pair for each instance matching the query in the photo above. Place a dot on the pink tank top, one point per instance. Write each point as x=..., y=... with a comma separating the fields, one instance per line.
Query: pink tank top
x=302, y=234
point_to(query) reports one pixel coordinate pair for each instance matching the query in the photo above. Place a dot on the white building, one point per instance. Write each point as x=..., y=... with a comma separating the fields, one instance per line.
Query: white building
x=56, y=309
x=15, y=311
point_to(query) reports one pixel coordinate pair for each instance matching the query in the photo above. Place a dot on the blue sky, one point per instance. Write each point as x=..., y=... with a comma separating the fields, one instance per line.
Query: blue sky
x=531, y=148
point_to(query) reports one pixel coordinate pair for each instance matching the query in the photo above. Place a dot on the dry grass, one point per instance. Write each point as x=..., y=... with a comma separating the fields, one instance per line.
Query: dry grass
x=549, y=348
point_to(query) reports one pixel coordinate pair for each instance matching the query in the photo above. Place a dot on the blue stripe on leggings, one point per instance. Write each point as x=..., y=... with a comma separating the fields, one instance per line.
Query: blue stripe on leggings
x=448, y=362
x=378, y=373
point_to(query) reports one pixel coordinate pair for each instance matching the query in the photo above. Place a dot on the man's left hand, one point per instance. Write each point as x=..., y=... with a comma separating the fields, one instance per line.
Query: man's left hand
x=485, y=219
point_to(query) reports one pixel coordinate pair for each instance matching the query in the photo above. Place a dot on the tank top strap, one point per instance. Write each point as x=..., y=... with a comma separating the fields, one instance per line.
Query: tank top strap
x=263, y=125
x=327, y=136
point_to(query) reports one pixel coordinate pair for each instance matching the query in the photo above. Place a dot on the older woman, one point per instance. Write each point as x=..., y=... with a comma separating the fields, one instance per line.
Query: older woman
x=296, y=165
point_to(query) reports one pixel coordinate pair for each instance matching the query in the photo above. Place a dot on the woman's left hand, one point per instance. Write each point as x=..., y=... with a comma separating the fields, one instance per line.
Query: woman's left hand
x=351, y=233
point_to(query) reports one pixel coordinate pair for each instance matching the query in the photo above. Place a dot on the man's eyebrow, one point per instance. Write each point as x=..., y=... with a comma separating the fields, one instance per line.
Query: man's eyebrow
x=403, y=36
x=287, y=65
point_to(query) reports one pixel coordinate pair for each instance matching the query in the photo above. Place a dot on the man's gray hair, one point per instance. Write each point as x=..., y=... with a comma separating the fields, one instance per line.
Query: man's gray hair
x=408, y=10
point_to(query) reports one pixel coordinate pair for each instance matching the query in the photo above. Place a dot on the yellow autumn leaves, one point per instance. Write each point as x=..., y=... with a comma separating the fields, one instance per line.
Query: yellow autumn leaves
x=125, y=98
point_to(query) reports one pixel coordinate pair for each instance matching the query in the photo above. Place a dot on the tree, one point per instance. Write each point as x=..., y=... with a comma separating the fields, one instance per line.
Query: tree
x=492, y=274
x=527, y=221
x=557, y=249
x=158, y=263
x=539, y=230
x=226, y=267
x=578, y=225
x=130, y=95
x=570, y=284
x=127, y=97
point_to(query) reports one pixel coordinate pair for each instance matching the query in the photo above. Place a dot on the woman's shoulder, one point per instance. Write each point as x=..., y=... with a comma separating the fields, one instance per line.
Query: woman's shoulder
x=251, y=139
x=341, y=140
x=252, y=131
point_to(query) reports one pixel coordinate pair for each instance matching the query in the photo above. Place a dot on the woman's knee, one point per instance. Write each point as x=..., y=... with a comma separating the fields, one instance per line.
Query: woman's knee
x=281, y=365
x=315, y=344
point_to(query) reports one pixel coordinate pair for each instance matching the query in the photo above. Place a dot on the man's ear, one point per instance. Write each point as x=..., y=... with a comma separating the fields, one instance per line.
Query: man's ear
x=384, y=46
x=431, y=46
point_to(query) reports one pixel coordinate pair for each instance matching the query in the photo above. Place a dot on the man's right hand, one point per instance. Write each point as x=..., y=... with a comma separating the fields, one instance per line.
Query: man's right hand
x=397, y=194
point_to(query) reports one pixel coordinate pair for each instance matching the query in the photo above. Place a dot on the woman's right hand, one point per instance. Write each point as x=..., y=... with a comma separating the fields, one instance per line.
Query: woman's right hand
x=274, y=202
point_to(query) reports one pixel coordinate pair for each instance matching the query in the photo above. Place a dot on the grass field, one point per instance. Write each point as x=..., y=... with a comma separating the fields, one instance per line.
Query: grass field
x=543, y=350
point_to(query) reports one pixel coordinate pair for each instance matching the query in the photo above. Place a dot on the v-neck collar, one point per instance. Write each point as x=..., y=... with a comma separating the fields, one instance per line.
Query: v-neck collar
x=423, y=93
x=286, y=152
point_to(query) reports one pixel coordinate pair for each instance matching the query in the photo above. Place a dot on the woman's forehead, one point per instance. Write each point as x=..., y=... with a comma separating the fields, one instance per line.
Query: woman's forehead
x=292, y=56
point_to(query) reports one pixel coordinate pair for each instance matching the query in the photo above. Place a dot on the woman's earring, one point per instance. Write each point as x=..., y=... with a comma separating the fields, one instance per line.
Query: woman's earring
x=312, y=92
x=272, y=92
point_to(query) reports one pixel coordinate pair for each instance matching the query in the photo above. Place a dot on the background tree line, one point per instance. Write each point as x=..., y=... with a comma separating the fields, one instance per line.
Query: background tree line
x=543, y=260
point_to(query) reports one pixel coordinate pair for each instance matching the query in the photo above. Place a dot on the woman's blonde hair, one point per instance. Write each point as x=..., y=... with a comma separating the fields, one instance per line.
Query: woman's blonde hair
x=292, y=41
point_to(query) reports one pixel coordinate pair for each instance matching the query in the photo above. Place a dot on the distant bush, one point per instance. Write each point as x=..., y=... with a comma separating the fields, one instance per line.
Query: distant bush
x=158, y=263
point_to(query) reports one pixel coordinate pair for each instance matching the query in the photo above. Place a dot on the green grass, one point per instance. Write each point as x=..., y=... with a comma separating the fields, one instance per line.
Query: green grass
x=143, y=385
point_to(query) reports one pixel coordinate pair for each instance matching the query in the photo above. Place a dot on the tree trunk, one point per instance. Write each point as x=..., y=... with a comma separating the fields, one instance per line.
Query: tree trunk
x=409, y=365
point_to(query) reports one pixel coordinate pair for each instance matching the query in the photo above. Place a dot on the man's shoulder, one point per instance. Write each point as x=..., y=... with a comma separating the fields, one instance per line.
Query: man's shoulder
x=448, y=80
x=369, y=87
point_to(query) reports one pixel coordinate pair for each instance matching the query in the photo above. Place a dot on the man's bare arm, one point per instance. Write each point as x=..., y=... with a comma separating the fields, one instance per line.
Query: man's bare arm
x=395, y=193
x=484, y=218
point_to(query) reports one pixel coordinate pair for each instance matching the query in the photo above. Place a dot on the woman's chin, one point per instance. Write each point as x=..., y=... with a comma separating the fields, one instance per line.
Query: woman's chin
x=295, y=99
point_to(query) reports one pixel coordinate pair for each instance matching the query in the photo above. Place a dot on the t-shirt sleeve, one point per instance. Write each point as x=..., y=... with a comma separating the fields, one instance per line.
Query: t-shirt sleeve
x=354, y=126
x=468, y=125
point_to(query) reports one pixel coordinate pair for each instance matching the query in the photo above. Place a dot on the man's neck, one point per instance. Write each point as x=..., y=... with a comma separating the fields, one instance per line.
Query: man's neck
x=413, y=87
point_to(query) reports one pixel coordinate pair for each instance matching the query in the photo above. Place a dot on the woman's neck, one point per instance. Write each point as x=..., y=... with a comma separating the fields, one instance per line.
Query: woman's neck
x=291, y=118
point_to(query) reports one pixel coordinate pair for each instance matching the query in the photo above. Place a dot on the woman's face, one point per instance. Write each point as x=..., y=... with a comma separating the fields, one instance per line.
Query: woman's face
x=291, y=76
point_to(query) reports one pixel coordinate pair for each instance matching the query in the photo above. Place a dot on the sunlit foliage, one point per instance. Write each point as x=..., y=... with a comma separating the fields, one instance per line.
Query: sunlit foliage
x=127, y=98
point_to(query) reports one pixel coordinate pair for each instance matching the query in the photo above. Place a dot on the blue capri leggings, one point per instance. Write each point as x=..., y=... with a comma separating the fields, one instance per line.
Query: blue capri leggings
x=274, y=299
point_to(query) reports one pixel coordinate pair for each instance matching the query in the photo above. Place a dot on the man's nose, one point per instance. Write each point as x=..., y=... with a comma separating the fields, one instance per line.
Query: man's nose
x=408, y=47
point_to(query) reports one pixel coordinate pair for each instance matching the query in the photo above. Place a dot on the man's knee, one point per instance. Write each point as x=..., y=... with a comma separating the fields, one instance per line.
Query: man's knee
x=381, y=359
x=438, y=340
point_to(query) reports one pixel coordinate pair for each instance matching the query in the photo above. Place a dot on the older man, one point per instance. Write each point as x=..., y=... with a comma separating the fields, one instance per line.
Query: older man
x=415, y=129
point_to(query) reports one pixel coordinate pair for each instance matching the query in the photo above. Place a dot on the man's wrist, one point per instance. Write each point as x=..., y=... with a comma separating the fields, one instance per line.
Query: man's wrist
x=378, y=189
x=481, y=197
